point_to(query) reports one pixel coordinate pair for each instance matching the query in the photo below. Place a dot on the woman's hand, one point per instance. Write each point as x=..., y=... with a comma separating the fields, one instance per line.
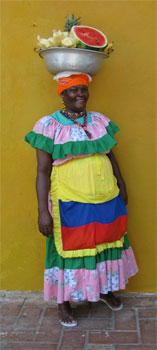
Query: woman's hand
x=45, y=223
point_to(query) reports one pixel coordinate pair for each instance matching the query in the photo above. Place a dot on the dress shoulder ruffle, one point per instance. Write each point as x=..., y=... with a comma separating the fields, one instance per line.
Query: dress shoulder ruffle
x=59, y=140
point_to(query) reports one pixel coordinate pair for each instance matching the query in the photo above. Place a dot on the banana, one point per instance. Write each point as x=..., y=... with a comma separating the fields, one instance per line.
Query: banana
x=109, y=48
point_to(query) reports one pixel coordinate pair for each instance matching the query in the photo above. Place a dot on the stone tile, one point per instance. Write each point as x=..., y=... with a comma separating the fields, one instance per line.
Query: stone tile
x=10, y=309
x=51, y=312
x=136, y=347
x=19, y=335
x=147, y=313
x=114, y=337
x=94, y=324
x=140, y=302
x=148, y=331
x=3, y=335
x=73, y=341
x=49, y=330
x=30, y=346
x=99, y=347
x=100, y=310
x=29, y=317
x=2, y=345
x=15, y=298
x=40, y=303
x=98, y=322
x=7, y=323
x=125, y=320
x=18, y=295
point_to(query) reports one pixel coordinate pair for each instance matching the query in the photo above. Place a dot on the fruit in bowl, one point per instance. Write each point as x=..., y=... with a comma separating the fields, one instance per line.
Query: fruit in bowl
x=76, y=36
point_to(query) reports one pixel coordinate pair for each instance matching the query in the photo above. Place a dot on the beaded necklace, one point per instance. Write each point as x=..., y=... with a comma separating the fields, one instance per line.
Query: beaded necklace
x=70, y=116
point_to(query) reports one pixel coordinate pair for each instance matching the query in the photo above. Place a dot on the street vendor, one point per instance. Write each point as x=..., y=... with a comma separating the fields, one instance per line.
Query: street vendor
x=82, y=202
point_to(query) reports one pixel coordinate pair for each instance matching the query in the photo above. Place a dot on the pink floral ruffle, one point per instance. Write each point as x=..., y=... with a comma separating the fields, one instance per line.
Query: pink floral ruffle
x=83, y=284
x=60, y=134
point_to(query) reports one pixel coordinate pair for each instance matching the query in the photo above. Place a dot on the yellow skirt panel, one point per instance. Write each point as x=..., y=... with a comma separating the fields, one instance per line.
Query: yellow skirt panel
x=86, y=180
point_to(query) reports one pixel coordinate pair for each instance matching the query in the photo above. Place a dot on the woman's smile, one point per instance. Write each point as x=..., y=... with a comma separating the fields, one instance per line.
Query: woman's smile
x=80, y=99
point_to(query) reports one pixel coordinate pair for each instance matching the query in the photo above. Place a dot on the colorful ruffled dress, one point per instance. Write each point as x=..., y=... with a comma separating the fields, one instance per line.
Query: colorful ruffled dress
x=89, y=252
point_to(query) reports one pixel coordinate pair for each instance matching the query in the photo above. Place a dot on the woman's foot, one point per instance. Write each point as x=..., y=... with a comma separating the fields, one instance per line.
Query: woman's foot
x=114, y=303
x=66, y=315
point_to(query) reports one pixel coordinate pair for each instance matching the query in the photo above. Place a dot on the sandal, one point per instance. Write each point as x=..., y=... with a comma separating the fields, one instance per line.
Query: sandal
x=69, y=324
x=111, y=301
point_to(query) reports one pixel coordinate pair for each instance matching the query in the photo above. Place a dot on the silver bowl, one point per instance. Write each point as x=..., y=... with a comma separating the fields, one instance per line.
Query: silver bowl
x=59, y=59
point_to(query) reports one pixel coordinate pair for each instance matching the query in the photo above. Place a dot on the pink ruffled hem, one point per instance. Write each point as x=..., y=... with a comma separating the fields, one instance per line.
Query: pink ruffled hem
x=83, y=284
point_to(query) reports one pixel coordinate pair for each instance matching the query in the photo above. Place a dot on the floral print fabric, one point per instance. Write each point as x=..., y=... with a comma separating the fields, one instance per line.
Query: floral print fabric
x=83, y=284
x=64, y=140
x=52, y=128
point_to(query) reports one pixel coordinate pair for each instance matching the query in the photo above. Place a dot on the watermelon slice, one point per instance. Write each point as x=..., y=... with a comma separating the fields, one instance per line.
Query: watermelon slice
x=89, y=38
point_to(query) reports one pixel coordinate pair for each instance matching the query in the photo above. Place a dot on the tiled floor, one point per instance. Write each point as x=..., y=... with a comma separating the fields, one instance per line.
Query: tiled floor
x=28, y=323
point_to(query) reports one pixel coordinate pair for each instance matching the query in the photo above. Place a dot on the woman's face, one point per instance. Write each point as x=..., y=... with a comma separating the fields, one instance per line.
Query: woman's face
x=75, y=98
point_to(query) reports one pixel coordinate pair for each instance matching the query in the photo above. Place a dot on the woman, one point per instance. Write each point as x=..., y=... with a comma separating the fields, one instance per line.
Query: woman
x=78, y=180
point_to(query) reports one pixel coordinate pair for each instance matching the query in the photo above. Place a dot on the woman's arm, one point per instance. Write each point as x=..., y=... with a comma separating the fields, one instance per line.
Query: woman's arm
x=118, y=175
x=44, y=168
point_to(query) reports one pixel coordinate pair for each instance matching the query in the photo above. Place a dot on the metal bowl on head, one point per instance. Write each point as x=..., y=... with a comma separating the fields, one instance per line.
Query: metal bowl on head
x=59, y=59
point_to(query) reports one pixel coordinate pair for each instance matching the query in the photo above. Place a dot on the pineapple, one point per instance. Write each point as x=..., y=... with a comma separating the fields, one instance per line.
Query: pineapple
x=71, y=22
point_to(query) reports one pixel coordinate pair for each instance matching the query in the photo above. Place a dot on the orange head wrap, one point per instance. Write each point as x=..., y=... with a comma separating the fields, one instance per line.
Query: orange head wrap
x=76, y=79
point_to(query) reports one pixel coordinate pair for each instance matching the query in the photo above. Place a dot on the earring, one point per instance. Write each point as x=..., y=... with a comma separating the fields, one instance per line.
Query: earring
x=64, y=107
